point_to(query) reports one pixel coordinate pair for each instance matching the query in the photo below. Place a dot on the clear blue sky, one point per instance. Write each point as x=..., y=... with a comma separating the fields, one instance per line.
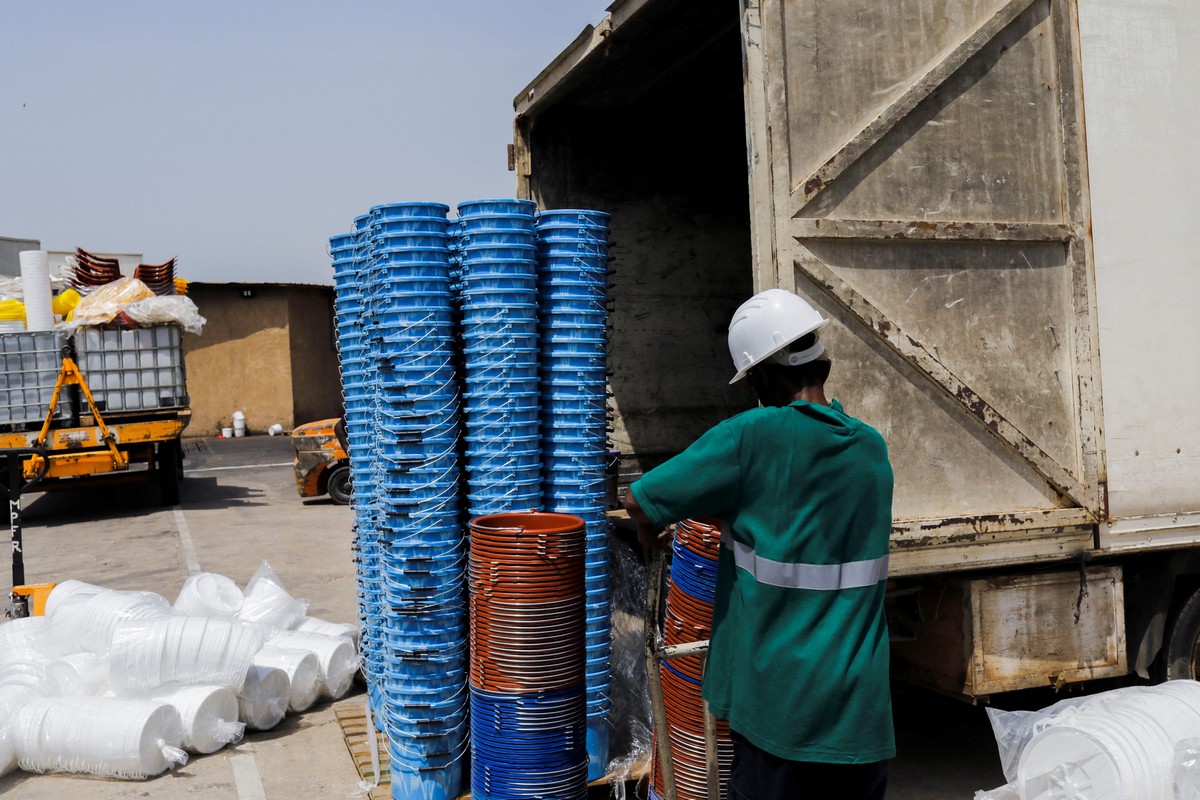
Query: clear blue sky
x=240, y=135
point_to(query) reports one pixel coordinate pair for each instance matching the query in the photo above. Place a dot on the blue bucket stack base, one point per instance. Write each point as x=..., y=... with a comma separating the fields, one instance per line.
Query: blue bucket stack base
x=572, y=246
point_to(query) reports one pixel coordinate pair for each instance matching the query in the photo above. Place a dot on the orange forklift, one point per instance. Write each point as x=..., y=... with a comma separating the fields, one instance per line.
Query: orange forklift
x=322, y=465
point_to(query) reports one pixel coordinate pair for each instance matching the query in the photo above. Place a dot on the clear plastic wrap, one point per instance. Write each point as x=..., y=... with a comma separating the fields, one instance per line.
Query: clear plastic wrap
x=1186, y=773
x=263, y=699
x=86, y=621
x=29, y=675
x=21, y=640
x=12, y=700
x=629, y=748
x=104, y=304
x=335, y=653
x=268, y=603
x=80, y=673
x=315, y=625
x=209, y=715
x=1005, y=792
x=149, y=653
x=302, y=669
x=67, y=590
x=165, y=310
x=207, y=594
x=112, y=737
x=8, y=750
x=1121, y=743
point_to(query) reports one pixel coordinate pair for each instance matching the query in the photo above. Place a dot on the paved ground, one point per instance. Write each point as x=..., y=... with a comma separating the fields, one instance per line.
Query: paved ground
x=238, y=507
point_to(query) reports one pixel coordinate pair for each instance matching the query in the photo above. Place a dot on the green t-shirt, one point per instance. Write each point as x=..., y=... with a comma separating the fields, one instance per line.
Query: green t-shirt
x=799, y=656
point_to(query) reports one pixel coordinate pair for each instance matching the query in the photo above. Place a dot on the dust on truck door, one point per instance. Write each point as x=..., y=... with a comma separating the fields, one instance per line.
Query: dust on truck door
x=916, y=171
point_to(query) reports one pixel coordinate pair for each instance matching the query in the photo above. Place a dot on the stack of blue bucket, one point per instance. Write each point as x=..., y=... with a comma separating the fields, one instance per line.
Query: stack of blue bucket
x=573, y=298
x=498, y=279
x=417, y=653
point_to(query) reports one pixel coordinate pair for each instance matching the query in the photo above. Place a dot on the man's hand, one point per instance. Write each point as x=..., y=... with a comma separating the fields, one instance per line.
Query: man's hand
x=649, y=535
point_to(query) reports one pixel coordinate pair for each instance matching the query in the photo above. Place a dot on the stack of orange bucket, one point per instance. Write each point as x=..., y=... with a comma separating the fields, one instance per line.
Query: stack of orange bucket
x=689, y=613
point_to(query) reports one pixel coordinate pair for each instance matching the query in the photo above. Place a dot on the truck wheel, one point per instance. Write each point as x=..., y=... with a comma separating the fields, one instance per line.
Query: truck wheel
x=168, y=472
x=339, y=484
x=1182, y=649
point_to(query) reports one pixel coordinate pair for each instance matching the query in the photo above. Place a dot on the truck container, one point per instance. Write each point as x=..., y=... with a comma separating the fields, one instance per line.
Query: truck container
x=993, y=201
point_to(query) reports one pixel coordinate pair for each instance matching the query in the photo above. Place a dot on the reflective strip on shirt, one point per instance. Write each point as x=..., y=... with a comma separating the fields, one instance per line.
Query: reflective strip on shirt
x=818, y=577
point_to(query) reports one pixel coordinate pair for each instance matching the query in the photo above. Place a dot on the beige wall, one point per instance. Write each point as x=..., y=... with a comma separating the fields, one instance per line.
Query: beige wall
x=269, y=355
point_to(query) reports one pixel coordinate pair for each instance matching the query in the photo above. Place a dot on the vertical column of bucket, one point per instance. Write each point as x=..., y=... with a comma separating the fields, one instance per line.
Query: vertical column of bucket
x=500, y=349
x=688, y=618
x=422, y=549
x=528, y=730
x=573, y=299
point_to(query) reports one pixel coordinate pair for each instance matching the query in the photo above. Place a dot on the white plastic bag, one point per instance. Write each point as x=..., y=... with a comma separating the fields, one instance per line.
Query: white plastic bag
x=165, y=310
x=186, y=650
x=207, y=594
x=335, y=654
x=303, y=670
x=106, y=302
x=263, y=699
x=209, y=715
x=113, y=737
x=268, y=603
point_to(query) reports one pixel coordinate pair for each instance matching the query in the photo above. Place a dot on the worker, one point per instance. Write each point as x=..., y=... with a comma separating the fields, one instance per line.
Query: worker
x=798, y=662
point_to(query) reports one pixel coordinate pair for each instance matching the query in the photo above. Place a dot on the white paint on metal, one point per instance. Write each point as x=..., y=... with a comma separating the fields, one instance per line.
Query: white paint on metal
x=185, y=541
x=1141, y=67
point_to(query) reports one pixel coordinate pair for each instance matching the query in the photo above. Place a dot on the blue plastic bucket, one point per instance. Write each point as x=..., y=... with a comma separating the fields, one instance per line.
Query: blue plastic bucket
x=552, y=361
x=472, y=253
x=572, y=216
x=502, y=378
x=490, y=207
x=473, y=283
x=399, y=254
x=497, y=316
x=389, y=227
x=572, y=305
x=489, y=222
x=385, y=240
x=412, y=269
x=390, y=211
x=495, y=237
x=566, y=237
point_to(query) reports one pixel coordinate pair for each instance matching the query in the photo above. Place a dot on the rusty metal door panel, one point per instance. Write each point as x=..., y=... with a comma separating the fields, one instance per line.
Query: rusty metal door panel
x=920, y=180
x=1141, y=73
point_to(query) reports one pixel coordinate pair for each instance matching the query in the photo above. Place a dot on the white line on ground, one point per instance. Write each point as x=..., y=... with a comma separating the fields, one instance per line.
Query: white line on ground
x=246, y=777
x=185, y=542
x=239, y=466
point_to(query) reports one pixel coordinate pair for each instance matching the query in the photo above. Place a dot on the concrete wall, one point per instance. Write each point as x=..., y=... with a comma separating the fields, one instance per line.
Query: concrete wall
x=267, y=351
x=10, y=263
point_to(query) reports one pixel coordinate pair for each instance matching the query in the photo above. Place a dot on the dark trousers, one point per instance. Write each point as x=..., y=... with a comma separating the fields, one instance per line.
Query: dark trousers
x=758, y=775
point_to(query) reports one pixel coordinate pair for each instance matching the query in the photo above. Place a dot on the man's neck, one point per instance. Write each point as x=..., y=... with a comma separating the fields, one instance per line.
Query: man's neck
x=811, y=394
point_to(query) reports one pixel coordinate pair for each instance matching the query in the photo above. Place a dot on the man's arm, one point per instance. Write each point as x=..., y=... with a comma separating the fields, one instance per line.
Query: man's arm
x=648, y=533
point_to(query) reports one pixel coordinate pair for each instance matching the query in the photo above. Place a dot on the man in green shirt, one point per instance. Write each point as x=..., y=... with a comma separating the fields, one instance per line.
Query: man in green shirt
x=799, y=657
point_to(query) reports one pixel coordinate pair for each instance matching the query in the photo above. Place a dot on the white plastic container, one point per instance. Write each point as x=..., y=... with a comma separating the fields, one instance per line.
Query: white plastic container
x=303, y=670
x=239, y=424
x=35, y=282
x=335, y=653
x=186, y=650
x=226, y=433
x=113, y=737
x=67, y=590
x=207, y=594
x=78, y=674
x=209, y=715
x=263, y=699
x=20, y=640
x=86, y=621
x=317, y=625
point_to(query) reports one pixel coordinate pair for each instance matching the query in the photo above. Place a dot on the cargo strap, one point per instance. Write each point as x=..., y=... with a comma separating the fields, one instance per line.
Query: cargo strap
x=816, y=577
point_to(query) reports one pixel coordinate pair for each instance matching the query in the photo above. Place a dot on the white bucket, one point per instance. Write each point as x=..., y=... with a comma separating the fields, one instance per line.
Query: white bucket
x=226, y=433
x=239, y=423
x=177, y=649
x=209, y=715
x=275, y=429
x=35, y=282
x=335, y=653
x=263, y=700
x=303, y=671
x=207, y=594
x=316, y=625
x=87, y=620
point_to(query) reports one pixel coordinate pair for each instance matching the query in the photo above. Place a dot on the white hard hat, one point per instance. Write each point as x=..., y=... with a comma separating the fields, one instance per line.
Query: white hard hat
x=766, y=324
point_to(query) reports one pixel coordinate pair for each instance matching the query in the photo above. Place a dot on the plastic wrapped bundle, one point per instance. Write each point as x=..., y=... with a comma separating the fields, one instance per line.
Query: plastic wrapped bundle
x=303, y=671
x=315, y=625
x=263, y=700
x=184, y=650
x=21, y=640
x=67, y=590
x=207, y=594
x=336, y=654
x=12, y=700
x=86, y=621
x=8, y=752
x=113, y=737
x=80, y=673
x=209, y=715
x=268, y=603
x=30, y=675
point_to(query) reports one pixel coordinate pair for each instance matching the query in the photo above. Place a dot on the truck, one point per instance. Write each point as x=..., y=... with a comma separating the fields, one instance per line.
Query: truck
x=102, y=406
x=993, y=201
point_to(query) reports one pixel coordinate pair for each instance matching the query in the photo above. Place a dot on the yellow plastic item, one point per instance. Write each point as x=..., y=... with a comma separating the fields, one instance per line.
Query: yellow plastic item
x=181, y=286
x=38, y=592
x=64, y=303
x=12, y=311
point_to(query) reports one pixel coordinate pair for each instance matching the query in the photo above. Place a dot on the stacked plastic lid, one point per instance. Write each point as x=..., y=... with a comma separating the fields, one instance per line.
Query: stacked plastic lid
x=573, y=297
x=528, y=733
x=689, y=612
x=498, y=278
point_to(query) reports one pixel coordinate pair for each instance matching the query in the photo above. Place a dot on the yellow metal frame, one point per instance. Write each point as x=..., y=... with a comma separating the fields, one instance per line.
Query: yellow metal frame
x=92, y=449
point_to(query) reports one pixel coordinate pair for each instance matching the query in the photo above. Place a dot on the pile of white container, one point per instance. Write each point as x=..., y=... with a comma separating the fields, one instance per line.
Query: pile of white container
x=123, y=684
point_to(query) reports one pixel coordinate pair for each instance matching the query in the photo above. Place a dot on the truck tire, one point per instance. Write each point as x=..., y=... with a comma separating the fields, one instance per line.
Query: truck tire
x=339, y=484
x=168, y=472
x=1182, y=648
